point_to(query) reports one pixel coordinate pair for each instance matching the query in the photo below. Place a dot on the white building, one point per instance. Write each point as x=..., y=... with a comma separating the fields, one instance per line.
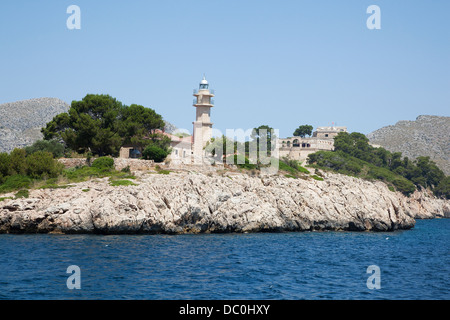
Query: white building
x=299, y=148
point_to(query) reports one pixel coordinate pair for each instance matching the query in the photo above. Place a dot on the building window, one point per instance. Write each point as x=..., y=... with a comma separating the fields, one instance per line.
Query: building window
x=326, y=135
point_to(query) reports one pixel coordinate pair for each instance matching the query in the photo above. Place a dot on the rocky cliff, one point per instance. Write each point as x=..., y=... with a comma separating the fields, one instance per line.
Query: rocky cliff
x=426, y=136
x=21, y=121
x=196, y=202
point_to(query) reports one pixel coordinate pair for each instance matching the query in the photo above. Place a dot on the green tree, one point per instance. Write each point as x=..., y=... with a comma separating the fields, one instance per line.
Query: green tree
x=92, y=124
x=101, y=124
x=18, y=161
x=443, y=188
x=53, y=146
x=5, y=164
x=139, y=125
x=303, y=130
x=430, y=172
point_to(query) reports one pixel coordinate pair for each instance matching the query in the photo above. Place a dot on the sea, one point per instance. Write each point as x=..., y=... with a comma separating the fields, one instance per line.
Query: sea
x=402, y=265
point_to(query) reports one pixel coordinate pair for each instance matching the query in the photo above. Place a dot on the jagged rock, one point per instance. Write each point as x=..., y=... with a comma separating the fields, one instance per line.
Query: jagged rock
x=193, y=202
x=21, y=121
x=426, y=136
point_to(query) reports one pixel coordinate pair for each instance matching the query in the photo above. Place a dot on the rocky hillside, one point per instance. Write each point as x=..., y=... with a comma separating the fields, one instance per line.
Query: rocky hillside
x=426, y=136
x=201, y=202
x=21, y=121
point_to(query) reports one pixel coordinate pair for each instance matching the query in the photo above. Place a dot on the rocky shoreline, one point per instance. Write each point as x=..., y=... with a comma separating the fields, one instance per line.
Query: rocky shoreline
x=212, y=202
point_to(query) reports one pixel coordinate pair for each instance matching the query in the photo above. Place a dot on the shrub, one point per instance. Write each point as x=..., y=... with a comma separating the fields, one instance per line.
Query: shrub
x=116, y=183
x=83, y=173
x=22, y=194
x=41, y=164
x=103, y=163
x=52, y=146
x=292, y=166
x=317, y=178
x=18, y=161
x=443, y=188
x=404, y=185
x=15, y=182
x=5, y=164
x=337, y=161
x=126, y=169
x=155, y=153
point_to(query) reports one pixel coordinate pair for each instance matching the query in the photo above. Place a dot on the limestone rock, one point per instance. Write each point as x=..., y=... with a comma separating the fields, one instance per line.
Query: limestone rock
x=195, y=202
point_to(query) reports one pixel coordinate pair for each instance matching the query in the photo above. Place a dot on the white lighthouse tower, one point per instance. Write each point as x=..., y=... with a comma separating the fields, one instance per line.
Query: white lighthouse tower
x=202, y=124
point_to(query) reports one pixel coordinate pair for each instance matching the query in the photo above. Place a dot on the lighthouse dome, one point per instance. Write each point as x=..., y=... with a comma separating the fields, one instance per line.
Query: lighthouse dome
x=204, y=83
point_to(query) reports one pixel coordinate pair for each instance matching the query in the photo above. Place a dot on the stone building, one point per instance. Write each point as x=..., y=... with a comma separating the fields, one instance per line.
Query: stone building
x=299, y=148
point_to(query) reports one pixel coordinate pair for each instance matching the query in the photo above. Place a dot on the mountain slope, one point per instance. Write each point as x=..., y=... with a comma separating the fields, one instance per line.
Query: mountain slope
x=21, y=121
x=426, y=136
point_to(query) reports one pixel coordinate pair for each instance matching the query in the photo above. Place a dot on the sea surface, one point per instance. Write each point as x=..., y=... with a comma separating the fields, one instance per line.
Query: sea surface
x=413, y=264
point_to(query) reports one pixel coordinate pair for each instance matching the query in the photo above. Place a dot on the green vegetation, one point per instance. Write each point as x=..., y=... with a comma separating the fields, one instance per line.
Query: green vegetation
x=15, y=182
x=303, y=130
x=443, y=188
x=103, y=164
x=55, y=186
x=241, y=162
x=86, y=190
x=5, y=198
x=41, y=165
x=292, y=166
x=101, y=124
x=354, y=156
x=159, y=170
x=155, y=153
x=164, y=172
x=317, y=178
x=18, y=170
x=22, y=171
x=116, y=183
x=86, y=173
x=53, y=146
x=22, y=194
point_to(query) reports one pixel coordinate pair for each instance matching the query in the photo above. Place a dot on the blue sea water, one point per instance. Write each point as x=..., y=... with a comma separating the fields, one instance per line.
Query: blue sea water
x=414, y=264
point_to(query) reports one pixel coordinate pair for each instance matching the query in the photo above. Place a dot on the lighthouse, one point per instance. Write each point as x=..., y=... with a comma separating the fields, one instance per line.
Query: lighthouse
x=202, y=132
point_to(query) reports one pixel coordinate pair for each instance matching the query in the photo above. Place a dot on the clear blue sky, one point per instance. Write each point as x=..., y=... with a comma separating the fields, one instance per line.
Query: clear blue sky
x=281, y=63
